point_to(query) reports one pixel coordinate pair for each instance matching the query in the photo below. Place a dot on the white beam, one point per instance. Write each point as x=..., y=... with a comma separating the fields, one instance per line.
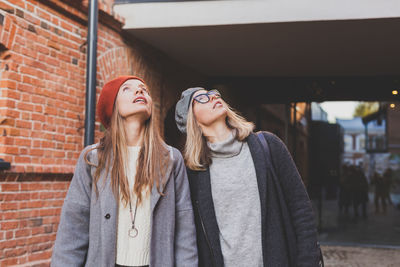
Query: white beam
x=231, y=12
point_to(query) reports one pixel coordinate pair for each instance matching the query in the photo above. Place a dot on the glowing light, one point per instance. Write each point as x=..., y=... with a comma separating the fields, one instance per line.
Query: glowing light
x=395, y=92
x=392, y=105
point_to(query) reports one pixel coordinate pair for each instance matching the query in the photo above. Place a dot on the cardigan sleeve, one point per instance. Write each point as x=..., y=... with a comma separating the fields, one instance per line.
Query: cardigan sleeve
x=72, y=238
x=185, y=231
x=299, y=204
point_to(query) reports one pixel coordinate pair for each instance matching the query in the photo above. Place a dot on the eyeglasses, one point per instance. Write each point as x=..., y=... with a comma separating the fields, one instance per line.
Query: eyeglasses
x=206, y=97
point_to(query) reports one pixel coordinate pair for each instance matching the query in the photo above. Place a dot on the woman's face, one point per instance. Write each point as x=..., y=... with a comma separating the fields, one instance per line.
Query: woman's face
x=134, y=100
x=208, y=113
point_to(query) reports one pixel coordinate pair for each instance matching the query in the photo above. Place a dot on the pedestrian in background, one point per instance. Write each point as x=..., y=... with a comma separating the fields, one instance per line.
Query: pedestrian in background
x=128, y=203
x=251, y=206
x=380, y=194
x=388, y=181
x=360, y=192
x=345, y=197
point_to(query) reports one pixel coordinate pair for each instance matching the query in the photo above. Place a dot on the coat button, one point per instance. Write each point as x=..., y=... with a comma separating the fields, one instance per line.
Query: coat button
x=107, y=216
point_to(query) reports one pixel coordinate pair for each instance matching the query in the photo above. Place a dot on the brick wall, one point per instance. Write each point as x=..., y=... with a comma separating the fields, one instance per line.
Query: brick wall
x=42, y=98
x=42, y=88
x=30, y=209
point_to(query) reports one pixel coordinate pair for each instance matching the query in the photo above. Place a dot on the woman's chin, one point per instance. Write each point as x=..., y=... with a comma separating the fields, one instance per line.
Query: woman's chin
x=220, y=111
x=217, y=115
x=140, y=114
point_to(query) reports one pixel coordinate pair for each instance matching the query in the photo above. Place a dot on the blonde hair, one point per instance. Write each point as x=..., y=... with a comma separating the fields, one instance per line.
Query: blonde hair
x=112, y=153
x=197, y=153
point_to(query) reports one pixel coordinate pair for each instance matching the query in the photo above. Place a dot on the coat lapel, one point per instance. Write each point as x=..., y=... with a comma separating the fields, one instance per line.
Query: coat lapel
x=207, y=212
x=109, y=219
x=257, y=153
x=155, y=195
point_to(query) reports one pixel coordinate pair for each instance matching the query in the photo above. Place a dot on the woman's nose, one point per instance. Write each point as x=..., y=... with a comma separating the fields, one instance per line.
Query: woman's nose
x=139, y=91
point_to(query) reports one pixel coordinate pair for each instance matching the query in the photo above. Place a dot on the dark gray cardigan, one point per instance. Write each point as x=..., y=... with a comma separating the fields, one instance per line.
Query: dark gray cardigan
x=289, y=235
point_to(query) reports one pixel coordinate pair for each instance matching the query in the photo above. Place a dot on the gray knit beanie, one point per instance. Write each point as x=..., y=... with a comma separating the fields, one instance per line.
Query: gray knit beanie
x=182, y=107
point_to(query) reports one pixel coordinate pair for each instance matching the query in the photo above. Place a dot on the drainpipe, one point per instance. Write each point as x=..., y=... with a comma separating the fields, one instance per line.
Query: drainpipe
x=90, y=114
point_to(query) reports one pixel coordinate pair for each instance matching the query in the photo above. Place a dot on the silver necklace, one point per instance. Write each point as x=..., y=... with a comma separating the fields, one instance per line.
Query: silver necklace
x=133, y=231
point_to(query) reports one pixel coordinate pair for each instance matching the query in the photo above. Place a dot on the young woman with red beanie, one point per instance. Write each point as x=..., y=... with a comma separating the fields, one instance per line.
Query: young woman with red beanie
x=128, y=203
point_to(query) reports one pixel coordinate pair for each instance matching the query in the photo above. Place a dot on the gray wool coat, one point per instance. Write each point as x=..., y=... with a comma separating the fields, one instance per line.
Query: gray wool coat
x=88, y=225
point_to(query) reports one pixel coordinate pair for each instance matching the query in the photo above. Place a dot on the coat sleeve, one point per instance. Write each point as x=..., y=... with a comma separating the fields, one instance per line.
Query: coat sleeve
x=72, y=239
x=185, y=231
x=298, y=202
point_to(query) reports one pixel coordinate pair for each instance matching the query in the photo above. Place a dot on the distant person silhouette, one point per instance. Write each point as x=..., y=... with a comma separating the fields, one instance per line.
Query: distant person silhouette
x=345, y=191
x=360, y=191
x=388, y=181
x=380, y=194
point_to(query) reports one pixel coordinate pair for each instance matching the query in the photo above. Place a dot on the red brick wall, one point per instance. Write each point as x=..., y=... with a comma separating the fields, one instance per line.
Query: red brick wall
x=29, y=215
x=43, y=87
x=42, y=98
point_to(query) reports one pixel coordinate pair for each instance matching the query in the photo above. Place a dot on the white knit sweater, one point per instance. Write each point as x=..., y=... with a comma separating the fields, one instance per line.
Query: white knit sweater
x=134, y=251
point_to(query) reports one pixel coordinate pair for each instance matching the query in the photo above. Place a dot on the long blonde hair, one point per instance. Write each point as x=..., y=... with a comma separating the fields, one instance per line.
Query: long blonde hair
x=112, y=152
x=197, y=153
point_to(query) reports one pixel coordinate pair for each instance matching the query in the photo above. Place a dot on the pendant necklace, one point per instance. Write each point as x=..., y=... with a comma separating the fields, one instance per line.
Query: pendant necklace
x=133, y=231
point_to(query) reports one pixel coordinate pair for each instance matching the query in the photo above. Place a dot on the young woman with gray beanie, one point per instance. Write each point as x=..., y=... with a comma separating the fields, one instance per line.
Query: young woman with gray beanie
x=250, y=205
x=128, y=203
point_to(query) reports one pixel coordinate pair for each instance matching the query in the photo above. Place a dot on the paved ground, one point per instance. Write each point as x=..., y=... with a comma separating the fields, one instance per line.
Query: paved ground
x=381, y=229
x=344, y=256
x=348, y=241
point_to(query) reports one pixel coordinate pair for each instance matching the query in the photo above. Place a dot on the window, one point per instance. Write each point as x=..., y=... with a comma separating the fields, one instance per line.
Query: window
x=360, y=142
x=348, y=143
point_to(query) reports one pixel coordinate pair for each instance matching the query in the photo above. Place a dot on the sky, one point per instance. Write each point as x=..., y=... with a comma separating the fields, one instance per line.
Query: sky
x=339, y=109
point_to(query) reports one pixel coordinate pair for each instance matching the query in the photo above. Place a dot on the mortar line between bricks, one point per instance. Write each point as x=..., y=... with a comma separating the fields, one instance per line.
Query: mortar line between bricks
x=42, y=19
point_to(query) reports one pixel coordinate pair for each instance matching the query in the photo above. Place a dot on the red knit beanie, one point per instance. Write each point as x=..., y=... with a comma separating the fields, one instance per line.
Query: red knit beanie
x=107, y=97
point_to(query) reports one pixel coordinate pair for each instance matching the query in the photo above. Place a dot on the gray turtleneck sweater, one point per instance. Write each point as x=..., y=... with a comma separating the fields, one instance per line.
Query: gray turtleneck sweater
x=237, y=202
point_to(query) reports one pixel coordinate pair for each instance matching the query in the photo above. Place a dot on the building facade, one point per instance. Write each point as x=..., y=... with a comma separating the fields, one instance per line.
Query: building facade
x=355, y=141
